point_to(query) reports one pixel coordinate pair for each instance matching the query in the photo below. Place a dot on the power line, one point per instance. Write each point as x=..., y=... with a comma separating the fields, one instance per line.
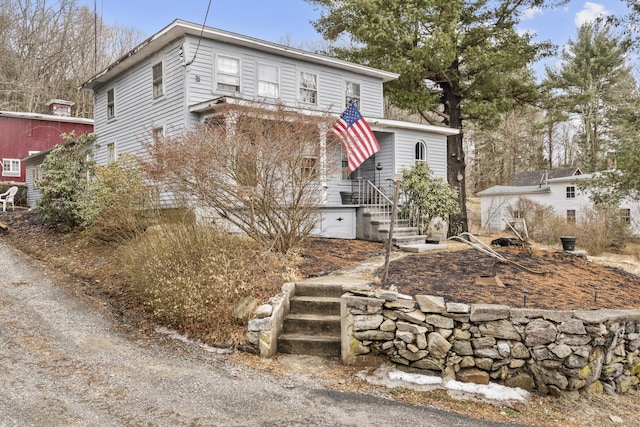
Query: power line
x=200, y=38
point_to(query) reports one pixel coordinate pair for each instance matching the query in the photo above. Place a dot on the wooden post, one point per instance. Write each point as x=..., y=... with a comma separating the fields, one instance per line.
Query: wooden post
x=394, y=217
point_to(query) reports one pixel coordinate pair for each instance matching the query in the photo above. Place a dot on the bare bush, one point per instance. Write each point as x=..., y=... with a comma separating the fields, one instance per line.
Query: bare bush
x=536, y=216
x=190, y=277
x=261, y=171
x=601, y=229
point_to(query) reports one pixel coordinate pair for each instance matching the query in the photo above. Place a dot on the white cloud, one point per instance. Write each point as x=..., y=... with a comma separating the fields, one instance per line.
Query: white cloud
x=531, y=13
x=590, y=13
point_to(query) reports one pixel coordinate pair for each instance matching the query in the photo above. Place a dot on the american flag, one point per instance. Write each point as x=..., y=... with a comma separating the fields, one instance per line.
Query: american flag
x=356, y=136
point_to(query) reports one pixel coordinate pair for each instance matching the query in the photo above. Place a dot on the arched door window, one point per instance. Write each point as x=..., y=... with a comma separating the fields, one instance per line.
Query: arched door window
x=421, y=152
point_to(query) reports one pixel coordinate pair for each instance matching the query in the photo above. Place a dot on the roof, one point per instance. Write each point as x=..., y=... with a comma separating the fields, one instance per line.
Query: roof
x=180, y=28
x=507, y=190
x=35, y=157
x=541, y=176
x=376, y=124
x=47, y=117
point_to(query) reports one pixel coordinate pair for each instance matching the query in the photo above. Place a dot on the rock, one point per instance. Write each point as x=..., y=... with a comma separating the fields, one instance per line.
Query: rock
x=595, y=388
x=431, y=304
x=401, y=304
x=541, y=353
x=472, y=375
x=410, y=327
x=265, y=310
x=257, y=325
x=575, y=362
x=455, y=307
x=517, y=363
x=386, y=294
x=519, y=351
x=411, y=356
x=463, y=348
x=570, y=339
x=549, y=377
x=539, y=332
x=561, y=350
x=467, y=362
x=244, y=308
x=439, y=321
x=437, y=345
x=488, y=312
x=407, y=337
x=374, y=335
x=491, y=353
x=504, y=349
x=500, y=329
x=388, y=326
x=484, y=363
x=431, y=365
x=446, y=333
x=421, y=341
x=521, y=380
x=367, y=322
x=616, y=419
x=460, y=334
x=484, y=342
x=573, y=326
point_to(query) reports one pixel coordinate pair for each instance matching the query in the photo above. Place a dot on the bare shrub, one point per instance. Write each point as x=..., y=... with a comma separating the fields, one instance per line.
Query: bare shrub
x=536, y=216
x=190, y=277
x=601, y=229
x=261, y=171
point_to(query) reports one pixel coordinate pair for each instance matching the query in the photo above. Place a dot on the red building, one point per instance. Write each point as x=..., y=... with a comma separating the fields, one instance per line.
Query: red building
x=24, y=134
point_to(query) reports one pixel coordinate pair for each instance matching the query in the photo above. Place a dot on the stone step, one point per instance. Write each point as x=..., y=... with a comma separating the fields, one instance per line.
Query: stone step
x=401, y=231
x=319, y=289
x=312, y=324
x=317, y=345
x=315, y=305
x=408, y=240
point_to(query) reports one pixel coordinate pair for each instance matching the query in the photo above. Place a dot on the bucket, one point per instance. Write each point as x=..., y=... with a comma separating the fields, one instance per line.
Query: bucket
x=568, y=243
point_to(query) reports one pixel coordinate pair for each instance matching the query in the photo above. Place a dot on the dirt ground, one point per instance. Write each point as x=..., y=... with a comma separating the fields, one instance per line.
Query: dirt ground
x=567, y=282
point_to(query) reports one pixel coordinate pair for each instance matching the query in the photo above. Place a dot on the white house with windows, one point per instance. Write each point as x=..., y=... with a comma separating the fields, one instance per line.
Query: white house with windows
x=559, y=188
x=182, y=76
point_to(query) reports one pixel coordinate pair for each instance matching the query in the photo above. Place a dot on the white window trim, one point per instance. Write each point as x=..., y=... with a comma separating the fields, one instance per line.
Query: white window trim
x=113, y=115
x=153, y=80
x=423, y=144
x=258, y=80
x=215, y=74
x=300, y=88
x=11, y=172
x=109, y=160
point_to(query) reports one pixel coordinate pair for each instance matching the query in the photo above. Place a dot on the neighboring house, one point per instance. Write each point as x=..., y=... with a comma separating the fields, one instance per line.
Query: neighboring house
x=558, y=188
x=182, y=75
x=24, y=134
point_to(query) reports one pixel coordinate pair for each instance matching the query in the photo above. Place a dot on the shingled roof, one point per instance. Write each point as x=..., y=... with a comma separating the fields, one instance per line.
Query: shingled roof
x=539, y=177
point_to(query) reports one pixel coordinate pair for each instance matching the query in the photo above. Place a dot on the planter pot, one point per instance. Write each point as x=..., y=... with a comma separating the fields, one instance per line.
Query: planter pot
x=568, y=243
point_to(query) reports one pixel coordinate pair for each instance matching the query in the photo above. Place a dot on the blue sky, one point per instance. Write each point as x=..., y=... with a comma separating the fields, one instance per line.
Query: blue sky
x=278, y=20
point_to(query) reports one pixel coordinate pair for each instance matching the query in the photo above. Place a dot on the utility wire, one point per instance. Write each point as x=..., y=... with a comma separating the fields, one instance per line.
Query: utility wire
x=200, y=38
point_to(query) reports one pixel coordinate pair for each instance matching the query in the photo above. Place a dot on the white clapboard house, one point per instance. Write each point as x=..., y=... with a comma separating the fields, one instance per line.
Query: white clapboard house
x=178, y=77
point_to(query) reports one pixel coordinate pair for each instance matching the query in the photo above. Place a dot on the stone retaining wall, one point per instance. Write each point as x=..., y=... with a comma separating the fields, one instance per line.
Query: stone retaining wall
x=557, y=352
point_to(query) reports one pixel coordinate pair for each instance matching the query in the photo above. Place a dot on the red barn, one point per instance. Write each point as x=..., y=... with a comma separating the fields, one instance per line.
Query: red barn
x=24, y=134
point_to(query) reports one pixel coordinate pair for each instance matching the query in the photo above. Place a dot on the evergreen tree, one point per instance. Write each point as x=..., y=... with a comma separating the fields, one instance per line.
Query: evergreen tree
x=590, y=84
x=458, y=60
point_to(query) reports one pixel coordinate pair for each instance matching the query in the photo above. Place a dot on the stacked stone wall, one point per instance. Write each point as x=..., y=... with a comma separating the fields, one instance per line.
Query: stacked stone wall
x=557, y=352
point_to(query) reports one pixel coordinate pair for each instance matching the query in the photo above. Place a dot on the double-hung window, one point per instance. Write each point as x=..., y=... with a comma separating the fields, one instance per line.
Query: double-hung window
x=308, y=88
x=158, y=80
x=352, y=94
x=111, y=153
x=10, y=167
x=268, y=81
x=227, y=74
x=111, y=103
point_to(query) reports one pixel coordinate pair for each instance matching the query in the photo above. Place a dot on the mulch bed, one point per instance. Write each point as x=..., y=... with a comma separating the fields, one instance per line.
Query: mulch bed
x=569, y=282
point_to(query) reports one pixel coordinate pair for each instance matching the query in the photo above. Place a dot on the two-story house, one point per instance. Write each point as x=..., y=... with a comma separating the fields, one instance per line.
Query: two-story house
x=557, y=188
x=179, y=77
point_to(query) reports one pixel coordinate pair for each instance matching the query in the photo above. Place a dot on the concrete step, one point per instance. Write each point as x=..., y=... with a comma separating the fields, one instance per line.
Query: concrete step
x=317, y=345
x=408, y=240
x=315, y=305
x=319, y=289
x=312, y=324
x=400, y=231
x=422, y=247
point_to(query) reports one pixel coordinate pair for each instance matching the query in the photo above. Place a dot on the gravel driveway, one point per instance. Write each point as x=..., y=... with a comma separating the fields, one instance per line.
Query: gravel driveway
x=64, y=363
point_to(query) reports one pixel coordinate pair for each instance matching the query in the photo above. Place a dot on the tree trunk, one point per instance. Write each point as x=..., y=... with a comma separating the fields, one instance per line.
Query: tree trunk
x=456, y=165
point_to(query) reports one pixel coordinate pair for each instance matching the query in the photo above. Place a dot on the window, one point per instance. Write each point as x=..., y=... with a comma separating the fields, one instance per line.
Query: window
x=268, y=81
x=352, y=94
x=421, y=152
x=346, y=175
x=10, y=167
x=625, y=215
x=227, y=74
x=111, y=103
x=571, y=216
x=308, y=88
x=111, y=153
x=310, y=166
x=158, y=86
x=571, y=192
x=158, y=133
x=35, y=176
